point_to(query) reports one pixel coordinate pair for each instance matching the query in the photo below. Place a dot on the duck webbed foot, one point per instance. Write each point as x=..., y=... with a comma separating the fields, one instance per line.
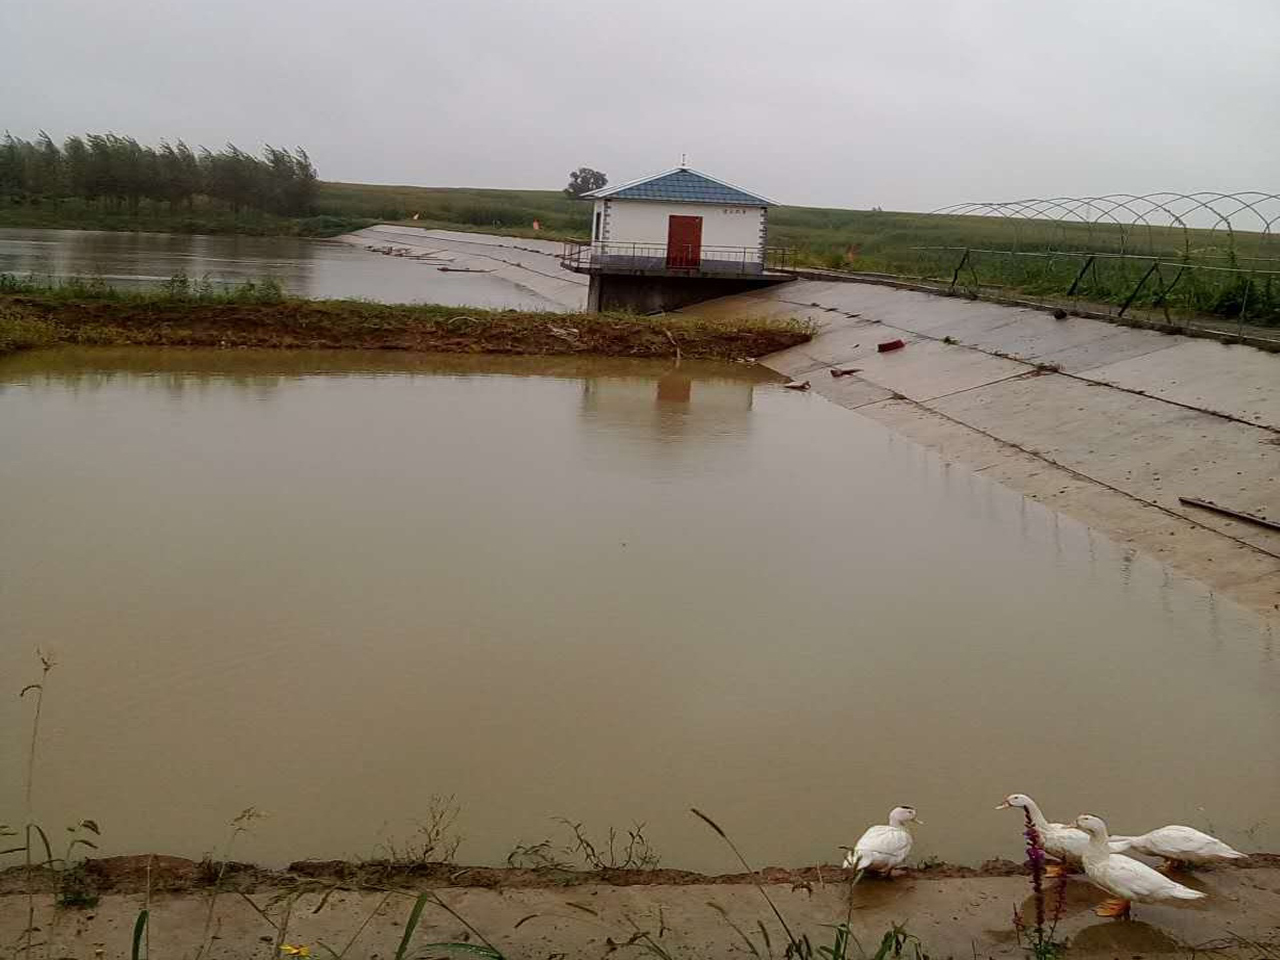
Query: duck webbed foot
x=1114, y=907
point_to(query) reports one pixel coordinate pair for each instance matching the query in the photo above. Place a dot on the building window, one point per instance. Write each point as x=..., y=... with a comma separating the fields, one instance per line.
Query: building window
x=595, y=233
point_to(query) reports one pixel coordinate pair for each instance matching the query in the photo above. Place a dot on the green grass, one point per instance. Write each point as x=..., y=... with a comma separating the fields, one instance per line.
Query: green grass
x=20, y=331
x=177, y=289
x=183, y=313
x=202, y=218
x=510, y=212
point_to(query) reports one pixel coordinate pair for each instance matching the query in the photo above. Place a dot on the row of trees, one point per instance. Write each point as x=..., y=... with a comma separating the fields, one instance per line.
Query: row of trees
x=116, y=172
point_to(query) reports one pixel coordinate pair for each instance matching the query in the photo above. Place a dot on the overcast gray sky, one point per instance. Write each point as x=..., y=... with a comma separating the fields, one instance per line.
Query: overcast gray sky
x=906, y=104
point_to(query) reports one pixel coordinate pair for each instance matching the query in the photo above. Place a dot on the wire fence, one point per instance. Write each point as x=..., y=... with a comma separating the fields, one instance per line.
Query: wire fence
x=1205, y=224
x=1203, y=259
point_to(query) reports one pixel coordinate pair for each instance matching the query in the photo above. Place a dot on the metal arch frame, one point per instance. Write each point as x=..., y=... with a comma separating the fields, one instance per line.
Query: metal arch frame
x=1150, y=211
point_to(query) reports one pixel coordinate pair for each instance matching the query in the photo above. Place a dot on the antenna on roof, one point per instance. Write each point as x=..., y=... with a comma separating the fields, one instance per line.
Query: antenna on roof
x=684, y=161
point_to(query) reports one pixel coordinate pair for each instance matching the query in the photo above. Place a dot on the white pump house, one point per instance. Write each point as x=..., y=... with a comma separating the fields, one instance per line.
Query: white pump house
x=680, y=222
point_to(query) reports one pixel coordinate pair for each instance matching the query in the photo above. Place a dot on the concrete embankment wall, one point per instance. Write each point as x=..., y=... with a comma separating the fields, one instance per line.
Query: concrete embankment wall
x=1108, y=424
x=656, y=294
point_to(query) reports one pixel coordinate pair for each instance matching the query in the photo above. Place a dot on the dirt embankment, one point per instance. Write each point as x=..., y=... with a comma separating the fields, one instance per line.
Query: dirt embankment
x=370, y=908
x=340, y=324
x=136, y=874
x=160, y=873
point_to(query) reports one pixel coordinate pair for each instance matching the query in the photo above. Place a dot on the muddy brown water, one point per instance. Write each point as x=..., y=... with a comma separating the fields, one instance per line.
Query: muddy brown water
x=331, y=585
x=308, y=268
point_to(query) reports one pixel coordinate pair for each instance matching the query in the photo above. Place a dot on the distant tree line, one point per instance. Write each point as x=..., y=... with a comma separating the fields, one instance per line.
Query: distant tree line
x=118, y=173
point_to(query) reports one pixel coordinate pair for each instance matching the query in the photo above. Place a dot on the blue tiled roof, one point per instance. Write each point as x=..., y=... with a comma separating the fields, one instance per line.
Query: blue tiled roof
x=681, y=185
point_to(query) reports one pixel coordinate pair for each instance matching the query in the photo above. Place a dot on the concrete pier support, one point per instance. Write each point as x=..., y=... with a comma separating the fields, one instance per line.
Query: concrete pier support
x=648, y=294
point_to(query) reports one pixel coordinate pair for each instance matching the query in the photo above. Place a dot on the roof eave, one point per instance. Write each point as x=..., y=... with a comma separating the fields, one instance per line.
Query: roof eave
x=706, y=203
x=607, y=193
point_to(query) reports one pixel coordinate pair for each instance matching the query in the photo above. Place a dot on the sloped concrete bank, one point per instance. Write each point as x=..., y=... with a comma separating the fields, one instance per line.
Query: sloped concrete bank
x=1108, y=424
x=532, y=265
x=953, y=911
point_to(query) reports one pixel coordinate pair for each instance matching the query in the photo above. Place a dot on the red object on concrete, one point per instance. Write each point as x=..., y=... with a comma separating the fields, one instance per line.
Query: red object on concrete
x=890, y=345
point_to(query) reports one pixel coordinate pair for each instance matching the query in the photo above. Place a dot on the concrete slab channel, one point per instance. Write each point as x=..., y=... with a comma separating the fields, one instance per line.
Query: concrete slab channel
x=1107, y=424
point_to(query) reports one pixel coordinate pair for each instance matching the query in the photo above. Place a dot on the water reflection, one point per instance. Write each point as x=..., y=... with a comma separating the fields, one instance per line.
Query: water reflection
x=127, y=258
x=608, y=384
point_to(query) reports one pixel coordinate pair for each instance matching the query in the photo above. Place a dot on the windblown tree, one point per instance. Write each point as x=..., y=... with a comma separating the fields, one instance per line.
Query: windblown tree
x=584, y=180
x=119, y=174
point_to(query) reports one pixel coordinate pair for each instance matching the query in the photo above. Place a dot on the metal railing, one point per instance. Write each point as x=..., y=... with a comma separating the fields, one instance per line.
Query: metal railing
x=613, y=256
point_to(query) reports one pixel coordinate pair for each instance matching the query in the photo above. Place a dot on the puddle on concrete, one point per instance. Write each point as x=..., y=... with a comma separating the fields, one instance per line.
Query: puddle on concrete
x=333, y=584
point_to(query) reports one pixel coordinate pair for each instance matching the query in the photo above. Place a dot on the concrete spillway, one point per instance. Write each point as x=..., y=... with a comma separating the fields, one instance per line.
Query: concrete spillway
x=1105, y=423
x=533, y=265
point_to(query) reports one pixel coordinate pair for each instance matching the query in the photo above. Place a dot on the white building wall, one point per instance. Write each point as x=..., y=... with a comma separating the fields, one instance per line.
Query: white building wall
x=645, y=221
x=597, y=220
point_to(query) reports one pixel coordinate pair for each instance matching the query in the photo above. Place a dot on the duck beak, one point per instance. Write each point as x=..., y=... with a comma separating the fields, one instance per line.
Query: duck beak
x=919, y=821
x=1004, y=806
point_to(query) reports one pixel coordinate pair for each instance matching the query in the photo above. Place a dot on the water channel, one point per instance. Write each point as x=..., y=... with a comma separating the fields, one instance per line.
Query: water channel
x=332, y=585
x=308, y=268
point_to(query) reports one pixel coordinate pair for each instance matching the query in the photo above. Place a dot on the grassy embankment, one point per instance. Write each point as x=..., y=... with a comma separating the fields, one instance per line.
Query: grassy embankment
x=899, y=244
x=260, y=315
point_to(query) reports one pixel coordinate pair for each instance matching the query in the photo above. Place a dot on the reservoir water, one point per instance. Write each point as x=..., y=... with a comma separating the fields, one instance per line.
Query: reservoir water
x=308, y=268
x=332, y=585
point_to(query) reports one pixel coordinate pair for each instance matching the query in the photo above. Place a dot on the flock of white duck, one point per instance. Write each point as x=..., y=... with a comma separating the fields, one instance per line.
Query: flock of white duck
x=1084, y=842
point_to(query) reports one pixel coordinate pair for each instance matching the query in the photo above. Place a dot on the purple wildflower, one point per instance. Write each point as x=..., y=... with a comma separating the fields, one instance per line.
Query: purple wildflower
x=1035, y=861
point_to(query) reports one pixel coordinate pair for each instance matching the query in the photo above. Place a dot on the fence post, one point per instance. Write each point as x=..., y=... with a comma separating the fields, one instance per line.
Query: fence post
x=973, y=272
x=1080, y=276
x=1244, y=305
x=955, y=277
x=1161, y=299
x=1141, y=283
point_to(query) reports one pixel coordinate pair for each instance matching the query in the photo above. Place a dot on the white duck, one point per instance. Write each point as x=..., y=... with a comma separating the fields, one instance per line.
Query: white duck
x=1177, y=844
x=1125, y=878
x=1060, y=841
x=883, y=847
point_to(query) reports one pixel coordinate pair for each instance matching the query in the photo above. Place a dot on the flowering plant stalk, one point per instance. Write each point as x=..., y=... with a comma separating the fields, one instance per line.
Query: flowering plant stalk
x=1040, y=937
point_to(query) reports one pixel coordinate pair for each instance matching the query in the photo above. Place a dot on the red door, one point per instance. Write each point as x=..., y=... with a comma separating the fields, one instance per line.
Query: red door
x=684, y=243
